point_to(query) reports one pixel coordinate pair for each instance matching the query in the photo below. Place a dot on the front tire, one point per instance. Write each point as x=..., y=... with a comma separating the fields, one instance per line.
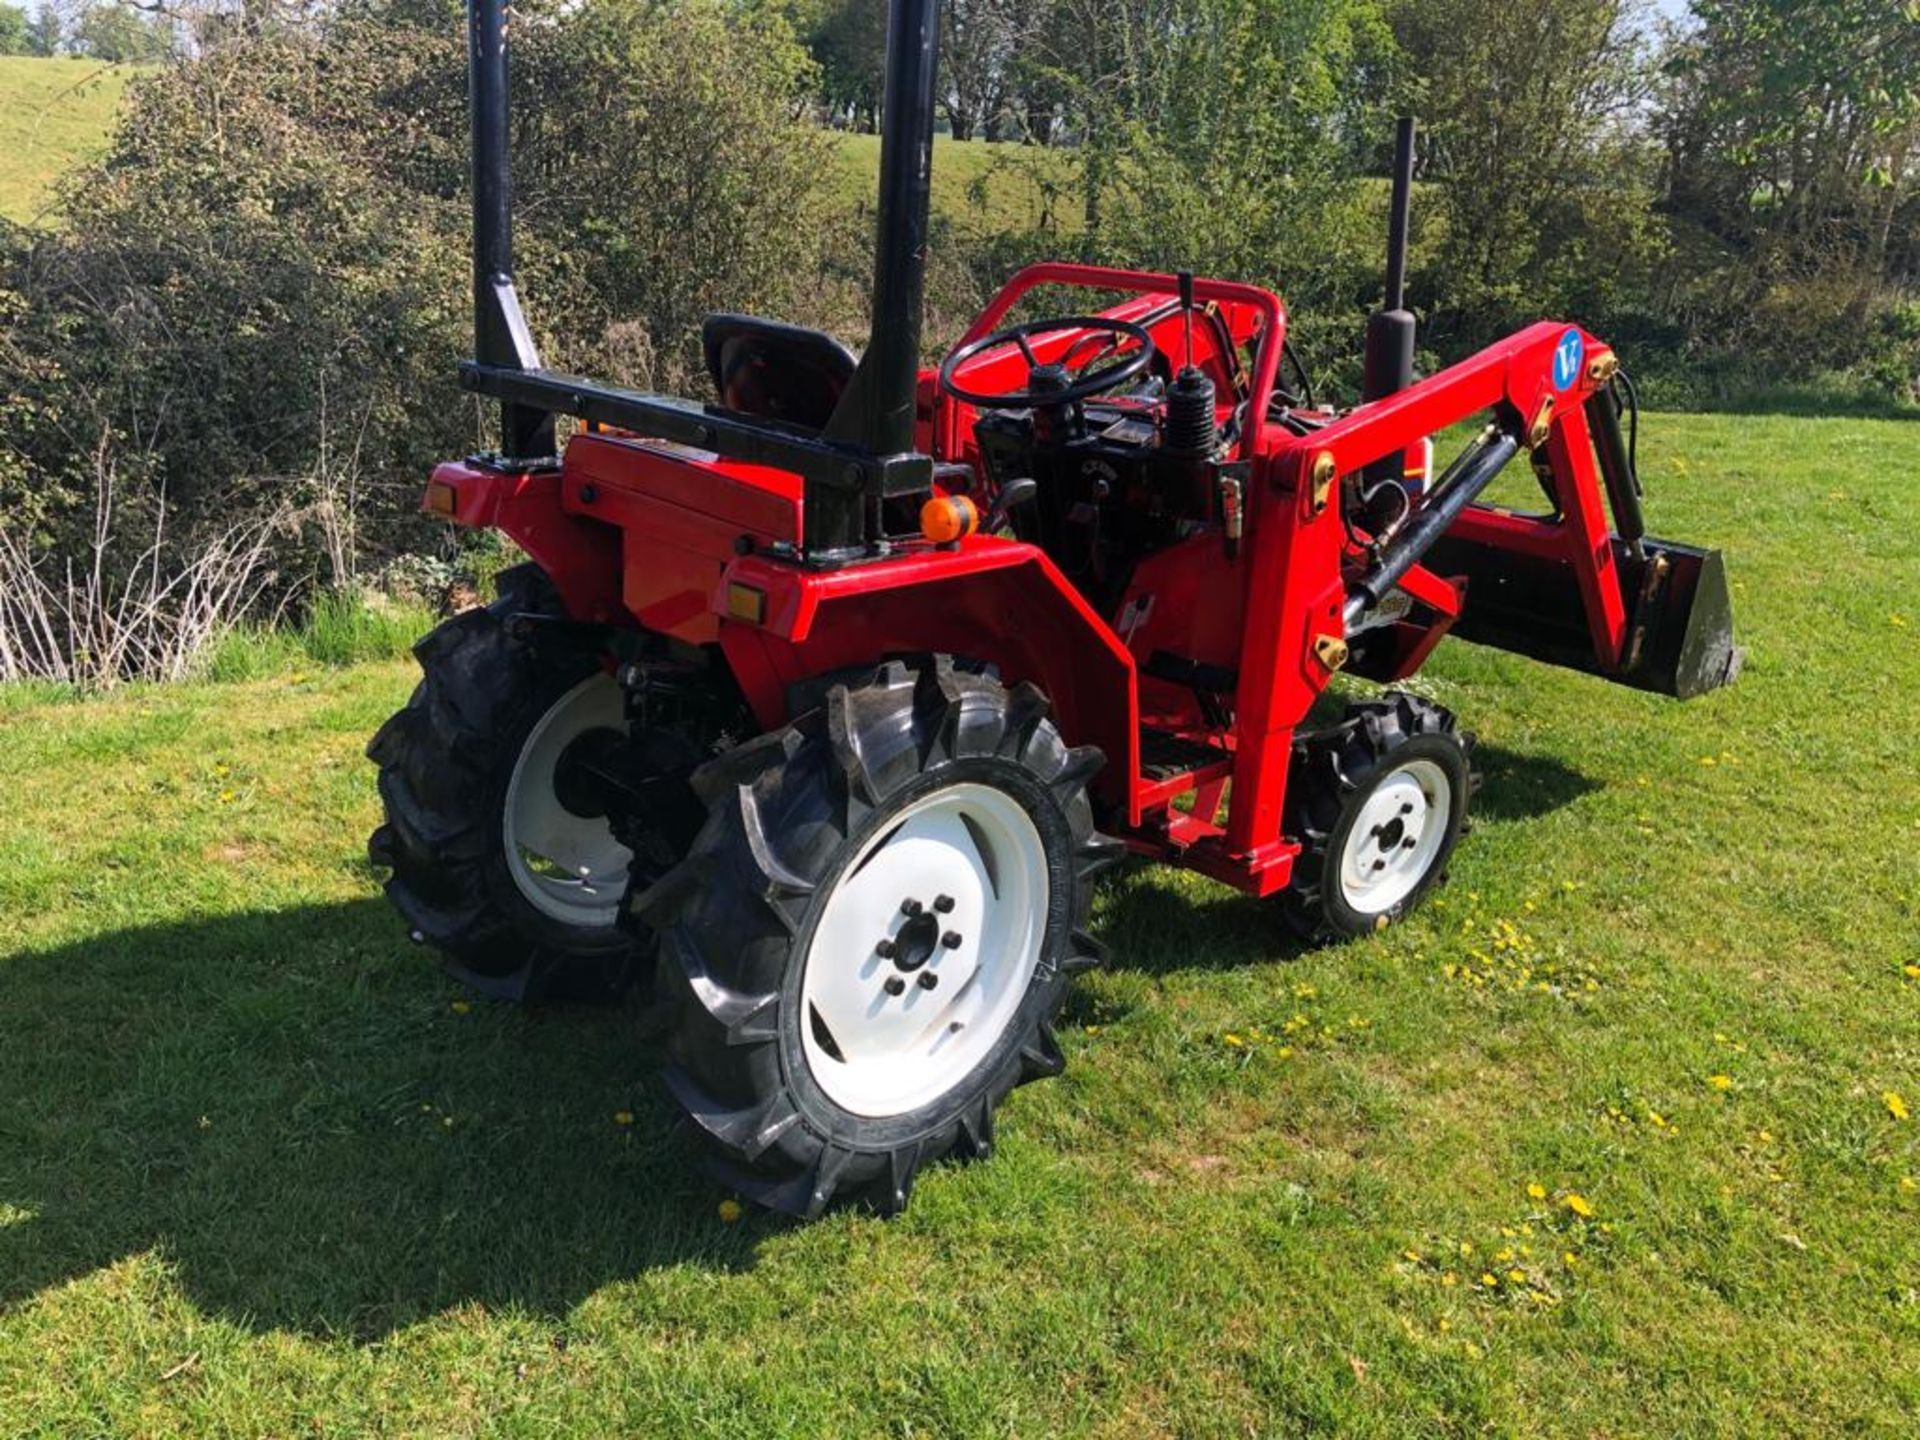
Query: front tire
x=874, y=932
x=1378, y=804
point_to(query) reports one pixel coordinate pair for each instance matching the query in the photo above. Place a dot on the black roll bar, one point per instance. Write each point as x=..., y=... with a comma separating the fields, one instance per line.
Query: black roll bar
x=866, y=453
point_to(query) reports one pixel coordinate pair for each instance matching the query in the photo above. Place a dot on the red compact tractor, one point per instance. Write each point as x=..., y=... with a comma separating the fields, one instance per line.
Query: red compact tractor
x=822, y=702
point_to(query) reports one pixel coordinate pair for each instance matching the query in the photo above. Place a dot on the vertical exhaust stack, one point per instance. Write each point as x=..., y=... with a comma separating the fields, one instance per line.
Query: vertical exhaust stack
x=500, y=334
x=877, y=412
x=1390, y=330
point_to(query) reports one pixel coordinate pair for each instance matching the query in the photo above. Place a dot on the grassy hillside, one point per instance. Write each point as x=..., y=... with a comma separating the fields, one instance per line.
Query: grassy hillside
x=1611, y=1141
x=990, y=189
x=54, y=116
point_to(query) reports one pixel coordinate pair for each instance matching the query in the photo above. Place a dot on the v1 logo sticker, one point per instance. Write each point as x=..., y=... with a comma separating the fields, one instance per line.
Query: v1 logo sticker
x=1567, y=356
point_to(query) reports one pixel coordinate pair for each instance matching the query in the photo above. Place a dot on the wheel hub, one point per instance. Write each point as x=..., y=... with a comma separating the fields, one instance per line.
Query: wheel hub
x=924, y=950
x=916, y=942
x=1396, y=837
x=566, y=863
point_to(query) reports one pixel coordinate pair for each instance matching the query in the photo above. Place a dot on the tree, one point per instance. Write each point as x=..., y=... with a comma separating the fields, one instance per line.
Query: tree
x=1542, y=181
x=1772, y=142
x=978, y=40
x=1793, y=181
x=266, y=277
x=44, y=32
x=16, y=36
x=848, y=42
x=120, y=35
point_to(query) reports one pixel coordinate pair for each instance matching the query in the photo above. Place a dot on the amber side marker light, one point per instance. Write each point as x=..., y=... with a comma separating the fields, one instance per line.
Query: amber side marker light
x=442, y=499
x=948, y=519
x=746, y=603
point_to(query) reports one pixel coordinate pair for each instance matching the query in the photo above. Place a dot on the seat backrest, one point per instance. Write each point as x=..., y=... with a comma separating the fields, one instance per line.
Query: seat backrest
x=780, y=372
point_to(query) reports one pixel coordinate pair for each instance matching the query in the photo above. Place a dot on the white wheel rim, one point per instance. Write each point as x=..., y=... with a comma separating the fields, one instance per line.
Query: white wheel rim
x=880, y=1036
x=568, y=866
x=1396, y=838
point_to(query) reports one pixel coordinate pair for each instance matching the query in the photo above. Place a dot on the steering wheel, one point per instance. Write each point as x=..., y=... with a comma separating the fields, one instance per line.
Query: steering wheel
x=1091, y=382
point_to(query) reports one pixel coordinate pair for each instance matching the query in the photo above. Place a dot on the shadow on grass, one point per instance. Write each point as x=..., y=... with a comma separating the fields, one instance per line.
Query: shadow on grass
x=1524, y=787
x=287, y=1108
x=1155, y=928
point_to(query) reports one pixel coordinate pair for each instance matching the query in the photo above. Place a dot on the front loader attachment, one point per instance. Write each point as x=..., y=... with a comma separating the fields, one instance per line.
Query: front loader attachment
x=1679, y=615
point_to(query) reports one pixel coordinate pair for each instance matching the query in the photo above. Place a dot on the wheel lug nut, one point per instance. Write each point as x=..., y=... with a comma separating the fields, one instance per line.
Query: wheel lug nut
x=928, y=980
x=910, y=908
x=1407, y=809
x=895, y=985
x=884, y=949
x=1407, y=844
x=944, y=904
x=951, y=939
x=1379, y=864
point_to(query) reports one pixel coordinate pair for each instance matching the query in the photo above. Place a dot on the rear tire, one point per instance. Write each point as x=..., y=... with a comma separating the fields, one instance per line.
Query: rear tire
x=1377, y=804
x=825, y=1047
x=465, y=776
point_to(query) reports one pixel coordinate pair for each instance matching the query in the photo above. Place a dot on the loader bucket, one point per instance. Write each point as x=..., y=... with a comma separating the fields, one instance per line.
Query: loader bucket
x=1679, y=614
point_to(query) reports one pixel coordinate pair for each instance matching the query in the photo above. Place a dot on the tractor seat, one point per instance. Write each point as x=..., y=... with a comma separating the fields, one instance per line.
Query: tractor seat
x=779, y=372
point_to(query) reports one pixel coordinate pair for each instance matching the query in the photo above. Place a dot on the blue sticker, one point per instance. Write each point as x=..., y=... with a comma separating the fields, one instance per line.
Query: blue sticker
x=1567, y=356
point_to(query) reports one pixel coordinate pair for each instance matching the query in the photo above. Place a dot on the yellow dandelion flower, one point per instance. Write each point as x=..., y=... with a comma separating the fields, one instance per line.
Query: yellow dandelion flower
x=1490, y=1280
x=1235, y=1041
x=1907, y=1182
x=1093, y=1029
x=1450, y=1278
x=1413, y=1255
x=1896, y=1107
x=1466, y=1247
x=226, y=797
x=1571, y=1258
x=730, y=1212
x=1897, y=621
x=1474, y=1352
x=1285, y=1052
x=1720, y=1082
x=1537, y=1191
x=1912, y=971
x=623, y=1118
x=461, y=1007
x=1708, y=760
x=1580, y=1206
x=1445, y=1325
x=1502, y=1255
x=1518, y=1277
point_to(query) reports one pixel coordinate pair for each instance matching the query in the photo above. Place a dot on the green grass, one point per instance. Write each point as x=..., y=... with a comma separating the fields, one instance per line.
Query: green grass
x=339, y=628
x=263, y=1172
x=55, y=115
x=996, y=189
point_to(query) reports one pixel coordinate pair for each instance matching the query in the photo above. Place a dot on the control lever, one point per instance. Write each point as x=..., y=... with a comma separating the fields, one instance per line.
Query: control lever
x=1185, y=282
x=1012, y=496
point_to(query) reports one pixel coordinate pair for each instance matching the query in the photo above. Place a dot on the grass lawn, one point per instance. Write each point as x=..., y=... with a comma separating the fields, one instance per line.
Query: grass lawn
x=54, y=116
x=999, y=189
x=1599, y=1145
